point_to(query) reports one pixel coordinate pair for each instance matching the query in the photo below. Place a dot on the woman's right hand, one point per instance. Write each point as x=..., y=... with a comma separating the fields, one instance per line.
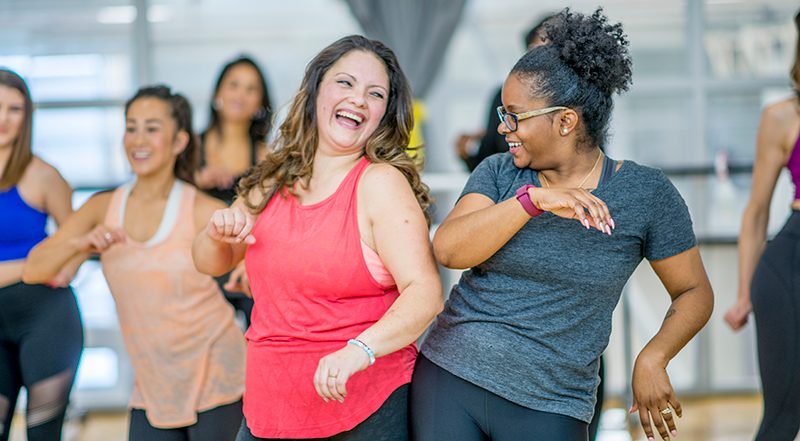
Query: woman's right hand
x=100, y=239
x=573, y=203
x=737, y=315
x=231, y=225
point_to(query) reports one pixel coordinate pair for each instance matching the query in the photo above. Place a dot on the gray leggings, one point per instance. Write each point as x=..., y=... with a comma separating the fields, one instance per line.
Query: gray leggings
x=447, y=408
x=775, y=294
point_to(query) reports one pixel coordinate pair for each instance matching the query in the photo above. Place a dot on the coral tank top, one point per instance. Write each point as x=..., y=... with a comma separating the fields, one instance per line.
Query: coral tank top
x=313, y=291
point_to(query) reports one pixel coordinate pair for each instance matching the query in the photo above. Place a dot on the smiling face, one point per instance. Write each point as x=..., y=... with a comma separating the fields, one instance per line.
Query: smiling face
x=240, y=93
x=535, y=137
x=351, y=102
x=12, y=115
x=151, y=142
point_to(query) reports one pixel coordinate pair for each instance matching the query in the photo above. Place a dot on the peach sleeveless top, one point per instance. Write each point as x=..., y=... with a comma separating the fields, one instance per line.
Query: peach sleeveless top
x=187, y=352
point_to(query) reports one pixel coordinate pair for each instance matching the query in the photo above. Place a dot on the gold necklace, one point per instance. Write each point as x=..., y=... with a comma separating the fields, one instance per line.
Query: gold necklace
x=597, y=161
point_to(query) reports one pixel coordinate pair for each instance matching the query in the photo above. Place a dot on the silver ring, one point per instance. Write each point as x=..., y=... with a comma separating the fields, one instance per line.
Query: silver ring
x=665, y=411
x=108, y=236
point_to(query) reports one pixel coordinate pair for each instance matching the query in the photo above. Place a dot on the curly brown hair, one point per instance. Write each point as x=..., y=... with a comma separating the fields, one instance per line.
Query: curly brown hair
x=291, y=158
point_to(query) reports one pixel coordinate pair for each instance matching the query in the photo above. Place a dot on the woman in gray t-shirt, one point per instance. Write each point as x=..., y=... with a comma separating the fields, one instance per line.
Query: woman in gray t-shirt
x=551, y=232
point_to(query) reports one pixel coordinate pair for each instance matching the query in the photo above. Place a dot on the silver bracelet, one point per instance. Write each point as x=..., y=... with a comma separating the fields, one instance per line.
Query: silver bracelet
x=362, y=345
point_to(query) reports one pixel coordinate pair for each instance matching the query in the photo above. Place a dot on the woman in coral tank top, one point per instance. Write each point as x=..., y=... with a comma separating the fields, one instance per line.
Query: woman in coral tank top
x=186, y=350
x=333, y=231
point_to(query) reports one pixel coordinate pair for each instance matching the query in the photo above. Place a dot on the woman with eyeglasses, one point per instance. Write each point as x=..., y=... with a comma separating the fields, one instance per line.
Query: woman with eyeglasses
x=768, y=271
x=562, y=227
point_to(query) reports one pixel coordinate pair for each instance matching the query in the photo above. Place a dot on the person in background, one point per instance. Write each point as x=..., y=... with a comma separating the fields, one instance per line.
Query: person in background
x=41, y=335
x=473, y=148
x=186, y=350
x=333, y=231
x=235, y=140
x=768, y=271
x=516, y=352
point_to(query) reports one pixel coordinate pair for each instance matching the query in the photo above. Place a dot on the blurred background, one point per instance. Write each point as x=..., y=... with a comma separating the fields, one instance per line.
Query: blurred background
x=703, y=70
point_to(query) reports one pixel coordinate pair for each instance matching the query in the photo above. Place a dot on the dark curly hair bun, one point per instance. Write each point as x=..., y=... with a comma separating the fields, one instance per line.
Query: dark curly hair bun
x=595, y=49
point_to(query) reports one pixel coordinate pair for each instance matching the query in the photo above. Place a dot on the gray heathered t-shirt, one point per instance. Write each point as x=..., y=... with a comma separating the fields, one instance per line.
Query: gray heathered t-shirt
x=529, y=324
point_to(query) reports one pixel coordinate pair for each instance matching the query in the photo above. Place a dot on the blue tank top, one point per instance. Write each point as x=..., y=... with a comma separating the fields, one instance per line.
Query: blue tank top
x=21, y=226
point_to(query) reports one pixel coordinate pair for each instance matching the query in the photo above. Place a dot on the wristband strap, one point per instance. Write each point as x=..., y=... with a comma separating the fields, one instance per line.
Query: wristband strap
x=525, y=200
x=363, y=346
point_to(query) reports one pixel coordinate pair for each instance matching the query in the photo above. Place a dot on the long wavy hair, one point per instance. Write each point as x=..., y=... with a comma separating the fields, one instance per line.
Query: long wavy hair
x=187, y=161
x=292, y=158
x=21, y=153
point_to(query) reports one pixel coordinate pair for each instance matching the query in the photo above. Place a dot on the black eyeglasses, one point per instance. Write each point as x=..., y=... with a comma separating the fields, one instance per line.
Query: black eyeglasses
x=511, y=120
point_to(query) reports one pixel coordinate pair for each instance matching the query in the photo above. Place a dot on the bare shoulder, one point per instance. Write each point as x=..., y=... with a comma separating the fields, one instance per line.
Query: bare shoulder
x=783, y=112
x=41, y=171
x=384, y=191
x=382, y=177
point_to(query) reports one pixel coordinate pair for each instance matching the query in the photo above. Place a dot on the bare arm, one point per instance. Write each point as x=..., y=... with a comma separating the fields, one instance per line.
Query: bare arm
x=685, y=279
x=58, y=193
x=475, y=215
x=77, y=238
x=771, y=155
x=400, y=237
x=58, y=204
x=11, y=271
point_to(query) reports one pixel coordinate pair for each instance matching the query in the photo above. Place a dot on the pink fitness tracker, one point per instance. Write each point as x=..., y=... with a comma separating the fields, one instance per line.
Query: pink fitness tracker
x=525, y=200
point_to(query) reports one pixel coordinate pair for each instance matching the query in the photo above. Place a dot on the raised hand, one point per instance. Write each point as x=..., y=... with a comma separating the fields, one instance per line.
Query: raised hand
x=231, y=225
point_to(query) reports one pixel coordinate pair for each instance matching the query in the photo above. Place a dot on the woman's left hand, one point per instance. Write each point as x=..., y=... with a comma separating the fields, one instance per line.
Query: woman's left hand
x=654, y=398
x=335, y=369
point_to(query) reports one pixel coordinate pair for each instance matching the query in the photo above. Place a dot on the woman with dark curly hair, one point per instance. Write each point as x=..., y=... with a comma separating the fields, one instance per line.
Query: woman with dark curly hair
x=562, y=227
x=332, y=228
x=767, y=272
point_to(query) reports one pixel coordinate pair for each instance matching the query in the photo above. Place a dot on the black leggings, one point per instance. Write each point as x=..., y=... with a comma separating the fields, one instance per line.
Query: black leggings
x=41, y=339
x=775, y=294
x=388, y=423
x=217, y=424
x=447, y=408
x=598, y=405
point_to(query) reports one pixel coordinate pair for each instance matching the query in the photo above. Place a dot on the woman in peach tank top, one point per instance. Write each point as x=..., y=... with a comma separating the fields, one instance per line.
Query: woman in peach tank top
x=186, y=350
x=333, y=232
